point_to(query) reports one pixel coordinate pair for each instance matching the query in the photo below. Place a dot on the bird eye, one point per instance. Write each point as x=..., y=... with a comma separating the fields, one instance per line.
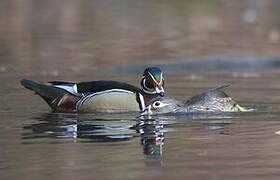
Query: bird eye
x=157, y=104
x=149, y=83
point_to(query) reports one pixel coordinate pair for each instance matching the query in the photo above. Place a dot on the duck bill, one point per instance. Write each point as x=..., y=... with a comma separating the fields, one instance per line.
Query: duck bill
x=240, y=108
x=160, y=91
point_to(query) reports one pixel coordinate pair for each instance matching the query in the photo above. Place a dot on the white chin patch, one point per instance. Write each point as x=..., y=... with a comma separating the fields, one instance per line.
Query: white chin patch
x=149, y=92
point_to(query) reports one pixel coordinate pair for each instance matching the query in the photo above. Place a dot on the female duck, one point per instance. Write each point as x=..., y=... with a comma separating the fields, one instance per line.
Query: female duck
x=100, y=96
x=214, y=101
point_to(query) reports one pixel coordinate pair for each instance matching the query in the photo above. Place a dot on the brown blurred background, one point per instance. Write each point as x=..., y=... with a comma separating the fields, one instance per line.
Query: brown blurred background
x=88, y=34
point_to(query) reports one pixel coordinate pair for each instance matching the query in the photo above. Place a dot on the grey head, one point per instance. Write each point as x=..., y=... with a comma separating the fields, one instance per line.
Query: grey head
x=162, y=105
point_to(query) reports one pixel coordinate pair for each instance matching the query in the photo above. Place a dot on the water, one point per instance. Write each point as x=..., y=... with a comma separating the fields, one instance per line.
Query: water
x=200, y=45
x=38, y=144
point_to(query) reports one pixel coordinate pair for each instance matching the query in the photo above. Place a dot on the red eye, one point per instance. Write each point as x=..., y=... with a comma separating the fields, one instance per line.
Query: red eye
x=149, y=83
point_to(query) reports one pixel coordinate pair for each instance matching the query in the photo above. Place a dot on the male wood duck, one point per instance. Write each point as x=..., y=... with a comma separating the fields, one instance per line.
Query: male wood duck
x=100, y=96
x=211, y=101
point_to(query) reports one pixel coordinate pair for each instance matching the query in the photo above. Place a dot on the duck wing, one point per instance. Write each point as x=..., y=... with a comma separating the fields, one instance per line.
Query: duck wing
x=211, y=100
x=102, y=85
x=208, y=96
x=92, y=87
x=67, y=86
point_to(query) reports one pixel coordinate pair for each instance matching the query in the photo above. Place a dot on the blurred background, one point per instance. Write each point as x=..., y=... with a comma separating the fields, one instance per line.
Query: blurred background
x=55, y=37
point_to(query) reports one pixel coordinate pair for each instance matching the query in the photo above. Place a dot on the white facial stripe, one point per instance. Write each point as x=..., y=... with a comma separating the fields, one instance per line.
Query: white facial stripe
x=161, y=78
x=163, y=104
x=158, y=83
x=145, y=87
x=159, y=90
x=149, y=92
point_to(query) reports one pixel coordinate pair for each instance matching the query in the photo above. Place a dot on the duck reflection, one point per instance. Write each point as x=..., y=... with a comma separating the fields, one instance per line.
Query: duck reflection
x=75, y=126
x=83, y=127
x=152, y=136
x=89, y=128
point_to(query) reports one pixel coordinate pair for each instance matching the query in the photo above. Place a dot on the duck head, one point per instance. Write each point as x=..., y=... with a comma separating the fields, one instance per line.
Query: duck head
x=162, y=105
x=152, y=81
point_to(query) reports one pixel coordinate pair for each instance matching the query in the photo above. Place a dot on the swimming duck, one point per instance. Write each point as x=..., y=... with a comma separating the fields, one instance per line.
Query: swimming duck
x=100, y=96
x=214, y=101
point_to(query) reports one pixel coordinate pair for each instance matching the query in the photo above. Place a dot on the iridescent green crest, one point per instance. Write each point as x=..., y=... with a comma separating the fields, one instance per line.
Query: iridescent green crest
x=155, y=72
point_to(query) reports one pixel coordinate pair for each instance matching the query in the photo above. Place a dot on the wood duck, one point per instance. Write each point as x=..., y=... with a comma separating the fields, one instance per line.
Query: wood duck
x=211, y=101
x=100, y=96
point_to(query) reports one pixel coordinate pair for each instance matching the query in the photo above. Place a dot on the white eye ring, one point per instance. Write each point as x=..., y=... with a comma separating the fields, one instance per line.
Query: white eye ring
x=157, y=104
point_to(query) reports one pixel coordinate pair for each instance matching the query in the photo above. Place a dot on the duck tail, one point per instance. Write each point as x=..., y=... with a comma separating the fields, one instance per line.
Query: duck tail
x=48, y=93
x=221, y=87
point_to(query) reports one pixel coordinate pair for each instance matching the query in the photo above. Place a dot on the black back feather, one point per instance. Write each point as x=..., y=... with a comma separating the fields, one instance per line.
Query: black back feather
x=60, y=82
x=97, y=86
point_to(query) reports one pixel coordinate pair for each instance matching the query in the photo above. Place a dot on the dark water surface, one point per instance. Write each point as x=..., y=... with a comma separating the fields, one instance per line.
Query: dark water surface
x=37, y=144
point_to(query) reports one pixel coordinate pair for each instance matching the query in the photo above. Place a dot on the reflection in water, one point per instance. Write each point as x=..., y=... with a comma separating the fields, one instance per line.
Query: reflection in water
x=152, y=137
x=70, y=126
x=151, y=130
x=152, y=140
